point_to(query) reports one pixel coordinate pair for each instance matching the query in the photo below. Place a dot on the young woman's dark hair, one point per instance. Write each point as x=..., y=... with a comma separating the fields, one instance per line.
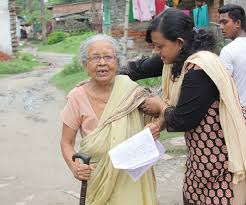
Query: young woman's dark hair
x=235, y=12
x=153, y=26
x=174, y=24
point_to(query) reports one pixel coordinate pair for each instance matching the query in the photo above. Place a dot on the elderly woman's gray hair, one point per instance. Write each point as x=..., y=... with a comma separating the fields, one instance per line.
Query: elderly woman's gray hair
x=99, y=37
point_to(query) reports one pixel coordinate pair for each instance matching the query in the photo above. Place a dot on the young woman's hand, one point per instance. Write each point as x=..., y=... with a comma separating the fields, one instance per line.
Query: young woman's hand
x=152, y=106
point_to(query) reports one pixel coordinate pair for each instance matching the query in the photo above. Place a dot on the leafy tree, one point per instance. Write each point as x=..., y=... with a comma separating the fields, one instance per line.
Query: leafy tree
x=31, y=10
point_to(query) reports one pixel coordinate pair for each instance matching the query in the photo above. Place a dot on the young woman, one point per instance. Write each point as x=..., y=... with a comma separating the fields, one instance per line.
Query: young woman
x=200, y=99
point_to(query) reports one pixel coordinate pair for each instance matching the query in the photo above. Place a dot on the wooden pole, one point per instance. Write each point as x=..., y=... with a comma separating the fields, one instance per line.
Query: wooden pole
x=43, y=22
x=126, y=27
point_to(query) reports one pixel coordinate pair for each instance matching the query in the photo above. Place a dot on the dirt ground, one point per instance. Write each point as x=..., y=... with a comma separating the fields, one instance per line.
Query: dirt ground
x=32, y=169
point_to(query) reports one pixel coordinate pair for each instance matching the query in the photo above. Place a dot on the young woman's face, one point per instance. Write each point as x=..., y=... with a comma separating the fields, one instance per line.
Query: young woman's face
x=168, y=50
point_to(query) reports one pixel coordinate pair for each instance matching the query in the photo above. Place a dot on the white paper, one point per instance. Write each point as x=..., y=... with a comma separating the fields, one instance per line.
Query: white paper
x=136, y=154
x=135, y=174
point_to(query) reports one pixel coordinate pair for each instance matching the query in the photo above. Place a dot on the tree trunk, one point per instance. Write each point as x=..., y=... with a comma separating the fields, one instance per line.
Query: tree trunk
x=42, y=17
x=30, y=5
x=126, y=26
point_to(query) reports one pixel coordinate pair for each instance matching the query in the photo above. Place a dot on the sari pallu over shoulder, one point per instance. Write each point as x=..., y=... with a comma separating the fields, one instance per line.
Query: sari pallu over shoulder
x=120, y=120
x=231, y=118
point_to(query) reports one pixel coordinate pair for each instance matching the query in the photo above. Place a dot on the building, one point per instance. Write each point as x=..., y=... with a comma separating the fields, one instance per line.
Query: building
x=238, y=2
x=73, y=16
x=136, y=30
x=8, y=39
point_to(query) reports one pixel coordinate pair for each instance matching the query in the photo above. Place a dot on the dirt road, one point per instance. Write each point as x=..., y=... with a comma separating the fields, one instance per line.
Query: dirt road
x=32, y=170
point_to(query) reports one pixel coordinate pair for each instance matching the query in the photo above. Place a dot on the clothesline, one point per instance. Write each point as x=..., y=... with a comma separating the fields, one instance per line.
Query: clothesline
x=146, y=10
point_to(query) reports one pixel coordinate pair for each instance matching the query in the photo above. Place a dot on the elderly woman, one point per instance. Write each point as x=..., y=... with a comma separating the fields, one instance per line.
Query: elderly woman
x=105, y=111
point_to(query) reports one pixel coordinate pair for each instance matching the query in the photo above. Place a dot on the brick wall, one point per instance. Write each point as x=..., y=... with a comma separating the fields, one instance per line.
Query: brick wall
x=73, y=8
x=12, y=12
x=213, y=10
x=136, y=31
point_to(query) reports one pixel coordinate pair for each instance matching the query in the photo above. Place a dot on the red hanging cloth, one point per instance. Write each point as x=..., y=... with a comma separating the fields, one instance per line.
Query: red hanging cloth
x=159, y=6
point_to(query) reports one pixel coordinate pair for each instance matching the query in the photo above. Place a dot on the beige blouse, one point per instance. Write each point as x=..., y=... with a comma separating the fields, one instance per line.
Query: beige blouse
x=78, y=112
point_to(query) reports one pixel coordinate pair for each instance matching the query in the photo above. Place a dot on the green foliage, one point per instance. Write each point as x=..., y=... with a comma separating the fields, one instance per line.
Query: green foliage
x=150, y=82
x=30, y=9
x=56, y=37
x=74, y=67
x=219, y=45
x=67, y=81
x=169, y=135
x=22, y=63
x=69, y=45
x=26, y=57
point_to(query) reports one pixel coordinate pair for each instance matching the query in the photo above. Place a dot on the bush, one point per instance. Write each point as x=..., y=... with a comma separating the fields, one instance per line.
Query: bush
x=56, y=37
x=74, y=67
x=23, y=62
x=26, y=57
x=219, y=45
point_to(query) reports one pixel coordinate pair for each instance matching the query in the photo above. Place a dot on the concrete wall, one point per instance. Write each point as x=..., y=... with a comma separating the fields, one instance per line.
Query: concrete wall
x=238, y=2
x=5, y=34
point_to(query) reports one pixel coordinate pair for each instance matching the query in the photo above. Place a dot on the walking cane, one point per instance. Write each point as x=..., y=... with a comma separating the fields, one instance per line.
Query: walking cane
x=86, y=159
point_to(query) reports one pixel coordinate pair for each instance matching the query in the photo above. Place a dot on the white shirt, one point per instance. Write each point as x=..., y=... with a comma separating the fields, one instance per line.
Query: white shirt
x=234, y=58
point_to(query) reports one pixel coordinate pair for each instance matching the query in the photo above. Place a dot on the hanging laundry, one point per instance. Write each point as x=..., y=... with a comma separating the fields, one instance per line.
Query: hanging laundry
x=176, y=3
x=106, y=16
x=159, y=6
x=200, y=15
x=186, y=12
x=170, y=3
x=131, y=17
x=141, y=11
x=151, y=5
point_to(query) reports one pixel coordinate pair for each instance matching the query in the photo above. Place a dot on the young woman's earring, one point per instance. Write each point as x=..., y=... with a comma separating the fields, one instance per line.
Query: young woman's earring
x=181, y=49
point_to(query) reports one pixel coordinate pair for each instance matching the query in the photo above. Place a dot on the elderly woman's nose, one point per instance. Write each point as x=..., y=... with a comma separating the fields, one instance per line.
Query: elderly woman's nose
x=102, y=61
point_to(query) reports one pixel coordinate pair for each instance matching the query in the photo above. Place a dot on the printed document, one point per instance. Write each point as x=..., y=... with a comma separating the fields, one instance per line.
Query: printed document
x=137, y=154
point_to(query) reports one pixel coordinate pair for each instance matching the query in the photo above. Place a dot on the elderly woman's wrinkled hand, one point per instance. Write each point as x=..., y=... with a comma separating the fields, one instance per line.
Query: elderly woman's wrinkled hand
x=155, y=129
x=152, y=106
x=82, y=171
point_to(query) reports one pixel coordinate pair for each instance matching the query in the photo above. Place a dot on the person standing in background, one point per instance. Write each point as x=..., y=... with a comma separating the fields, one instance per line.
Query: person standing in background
x=232, y=25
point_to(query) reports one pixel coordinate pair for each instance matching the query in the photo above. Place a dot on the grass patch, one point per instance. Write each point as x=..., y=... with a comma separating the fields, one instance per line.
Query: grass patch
x=3, y=75
x=67, y=82
x=169, y=135
x=150, y=82
x=69, y=45
x=23, y=62
x=175, y=150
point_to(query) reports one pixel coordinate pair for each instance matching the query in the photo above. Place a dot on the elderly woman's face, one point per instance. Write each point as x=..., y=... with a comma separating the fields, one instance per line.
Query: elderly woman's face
x=101, y=62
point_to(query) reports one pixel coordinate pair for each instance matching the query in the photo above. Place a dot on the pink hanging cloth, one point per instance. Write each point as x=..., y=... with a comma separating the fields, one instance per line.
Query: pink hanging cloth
x=141, y=10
